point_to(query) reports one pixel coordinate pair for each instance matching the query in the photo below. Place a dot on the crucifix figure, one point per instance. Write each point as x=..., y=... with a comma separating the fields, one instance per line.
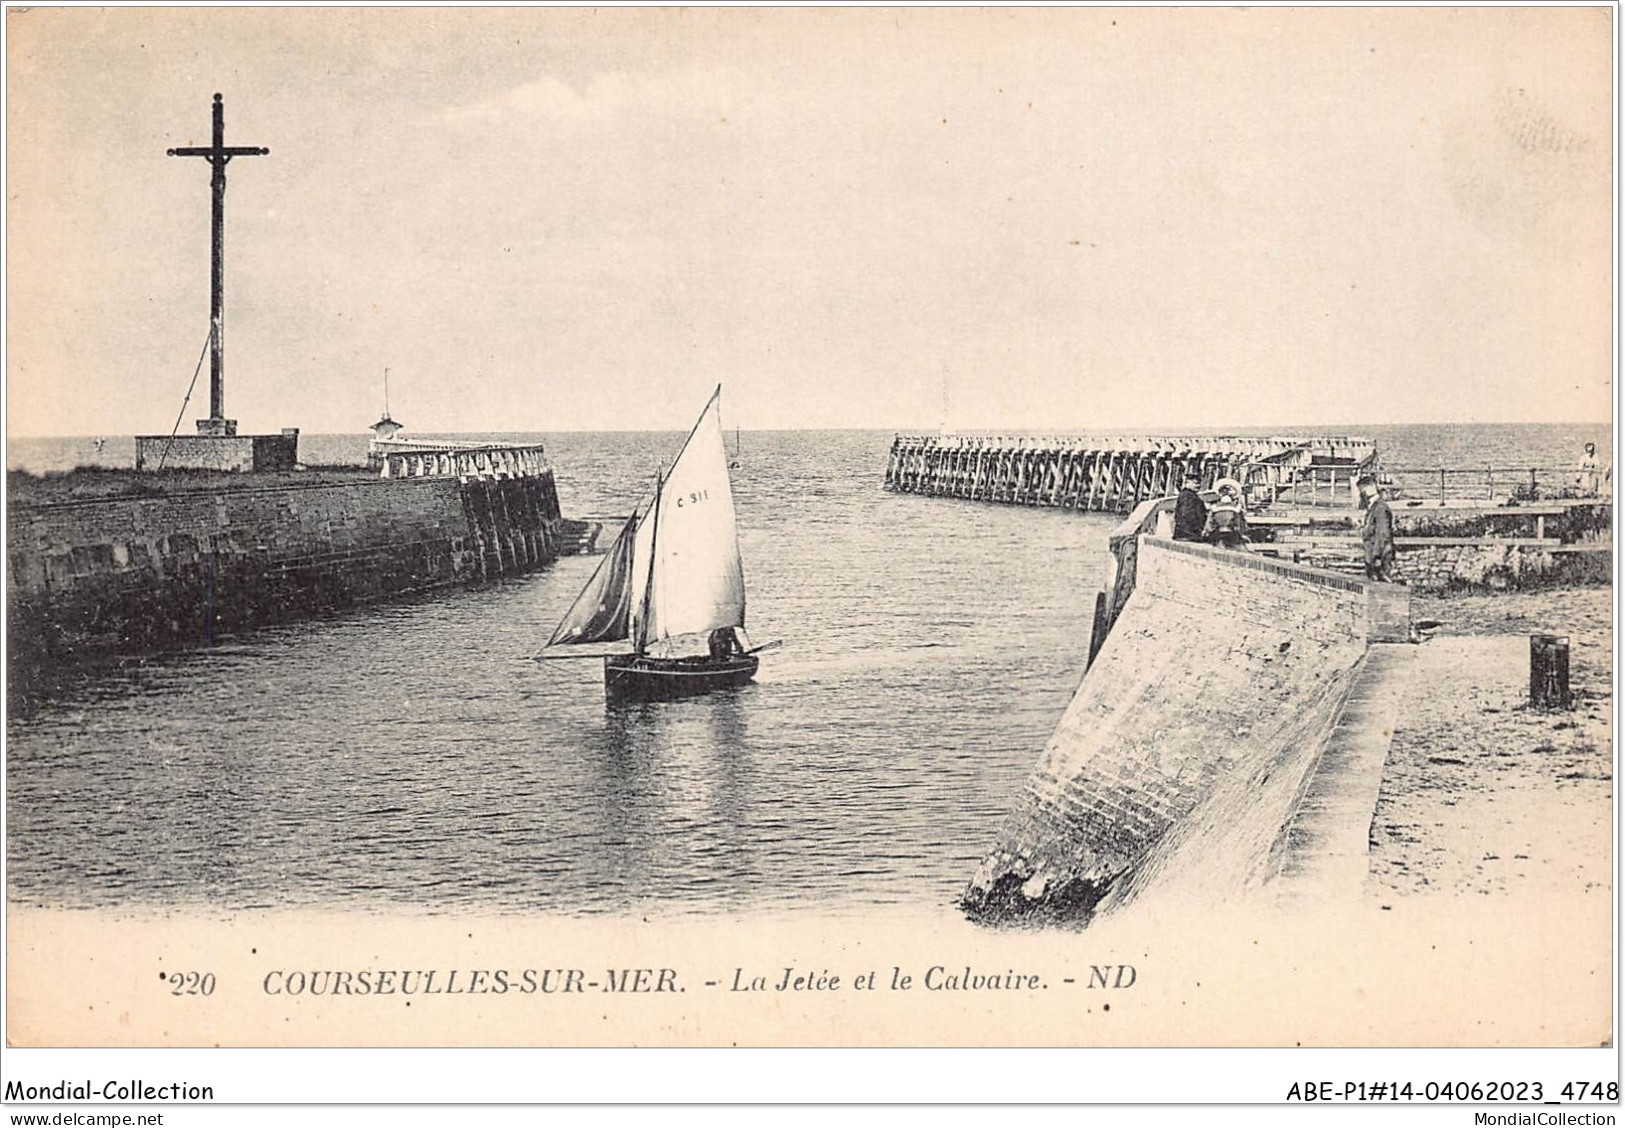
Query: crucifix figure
x=218, y=155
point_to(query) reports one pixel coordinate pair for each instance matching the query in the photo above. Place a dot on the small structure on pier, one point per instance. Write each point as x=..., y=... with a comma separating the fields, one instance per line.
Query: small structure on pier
x=383, y=430
x=1113, y=475
x=217, y=445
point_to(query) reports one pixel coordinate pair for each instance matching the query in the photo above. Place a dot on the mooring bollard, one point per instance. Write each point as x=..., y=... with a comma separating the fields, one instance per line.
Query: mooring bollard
x=1549, y=672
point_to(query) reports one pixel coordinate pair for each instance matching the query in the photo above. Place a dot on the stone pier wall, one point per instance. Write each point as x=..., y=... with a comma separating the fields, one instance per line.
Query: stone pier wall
x=181, y=569
x=243, y=454
x=1501, y=565
x=1222, y=670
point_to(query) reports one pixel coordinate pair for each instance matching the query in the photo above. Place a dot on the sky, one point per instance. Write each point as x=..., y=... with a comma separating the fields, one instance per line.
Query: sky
x=579, y=219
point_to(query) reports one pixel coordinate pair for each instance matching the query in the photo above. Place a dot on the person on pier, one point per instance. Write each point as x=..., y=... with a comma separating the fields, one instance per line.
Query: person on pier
x=1586, y=476
x=1226, y=524
x=1376, y=532
x=1190, y=511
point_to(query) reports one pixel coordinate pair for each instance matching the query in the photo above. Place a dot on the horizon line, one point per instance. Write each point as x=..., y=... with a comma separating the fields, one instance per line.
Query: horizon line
x=1204, y=429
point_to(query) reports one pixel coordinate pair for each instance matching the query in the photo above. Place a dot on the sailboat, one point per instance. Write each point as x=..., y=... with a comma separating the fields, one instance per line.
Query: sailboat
x=672, y=584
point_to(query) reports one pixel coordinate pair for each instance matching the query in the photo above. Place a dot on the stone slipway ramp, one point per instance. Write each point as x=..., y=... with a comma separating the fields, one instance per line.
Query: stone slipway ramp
x=1296, y=830
x=1192, y=744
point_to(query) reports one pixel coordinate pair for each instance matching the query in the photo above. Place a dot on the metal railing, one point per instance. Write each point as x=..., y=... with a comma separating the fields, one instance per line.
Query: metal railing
x=1497, y=483
x=1305, y=486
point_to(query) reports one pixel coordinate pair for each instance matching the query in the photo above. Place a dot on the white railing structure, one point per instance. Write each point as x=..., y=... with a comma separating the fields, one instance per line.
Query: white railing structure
x=441, y=458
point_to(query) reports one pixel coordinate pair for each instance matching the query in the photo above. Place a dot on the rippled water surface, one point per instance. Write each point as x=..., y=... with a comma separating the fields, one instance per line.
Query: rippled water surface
x=412, y=755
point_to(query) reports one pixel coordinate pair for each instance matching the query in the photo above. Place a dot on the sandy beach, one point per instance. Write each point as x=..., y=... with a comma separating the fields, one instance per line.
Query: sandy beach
x=1482, y=794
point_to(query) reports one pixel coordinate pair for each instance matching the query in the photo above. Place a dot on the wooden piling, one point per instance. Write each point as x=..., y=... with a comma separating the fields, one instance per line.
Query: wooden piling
x=1107, y=475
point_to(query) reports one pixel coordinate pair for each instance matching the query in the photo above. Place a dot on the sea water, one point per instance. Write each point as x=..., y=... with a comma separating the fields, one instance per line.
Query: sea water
x=413, y=755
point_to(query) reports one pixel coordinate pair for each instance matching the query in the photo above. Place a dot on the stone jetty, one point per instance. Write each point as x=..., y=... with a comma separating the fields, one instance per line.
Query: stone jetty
x=1214, y=714
x=103, y=562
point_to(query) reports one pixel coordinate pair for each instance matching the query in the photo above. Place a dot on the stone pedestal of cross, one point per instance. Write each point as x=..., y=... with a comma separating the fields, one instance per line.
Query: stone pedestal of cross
x=218, y=155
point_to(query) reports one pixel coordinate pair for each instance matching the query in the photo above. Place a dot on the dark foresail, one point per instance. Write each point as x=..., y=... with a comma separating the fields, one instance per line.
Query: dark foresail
x=600, y=612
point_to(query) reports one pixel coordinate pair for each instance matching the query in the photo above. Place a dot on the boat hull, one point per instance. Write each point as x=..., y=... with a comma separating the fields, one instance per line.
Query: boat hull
x=632, y=677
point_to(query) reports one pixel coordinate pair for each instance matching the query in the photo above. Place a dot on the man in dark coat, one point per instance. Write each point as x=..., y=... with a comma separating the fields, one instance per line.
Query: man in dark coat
x=1190, y=511
x=1377, y=532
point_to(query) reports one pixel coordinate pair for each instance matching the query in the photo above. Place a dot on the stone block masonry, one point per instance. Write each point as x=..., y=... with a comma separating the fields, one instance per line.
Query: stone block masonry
x=1223, y=671
x=1561, y=543
x=247, y=454
x=1319, y=603
x=1501, y=565
x=183, y=568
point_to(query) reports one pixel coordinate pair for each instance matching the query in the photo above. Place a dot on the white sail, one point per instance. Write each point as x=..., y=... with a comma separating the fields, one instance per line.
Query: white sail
x=698, y=580
x=602, y=611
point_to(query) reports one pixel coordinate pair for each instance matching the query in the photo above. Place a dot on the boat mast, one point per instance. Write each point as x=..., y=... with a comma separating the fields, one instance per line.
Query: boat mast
x=641, y=643
x=696, y=426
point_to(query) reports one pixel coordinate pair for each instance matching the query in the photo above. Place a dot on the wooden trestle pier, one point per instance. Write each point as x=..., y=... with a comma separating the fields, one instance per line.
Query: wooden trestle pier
x=441, y=458
x=1113, y=475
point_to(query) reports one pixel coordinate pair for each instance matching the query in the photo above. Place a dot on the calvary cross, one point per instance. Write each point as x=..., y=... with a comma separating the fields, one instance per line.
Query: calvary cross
x=218, y=155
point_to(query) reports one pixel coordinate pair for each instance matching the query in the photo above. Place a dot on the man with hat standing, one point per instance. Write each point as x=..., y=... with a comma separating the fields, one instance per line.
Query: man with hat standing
x=1190, y=511
x=1376, y=532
